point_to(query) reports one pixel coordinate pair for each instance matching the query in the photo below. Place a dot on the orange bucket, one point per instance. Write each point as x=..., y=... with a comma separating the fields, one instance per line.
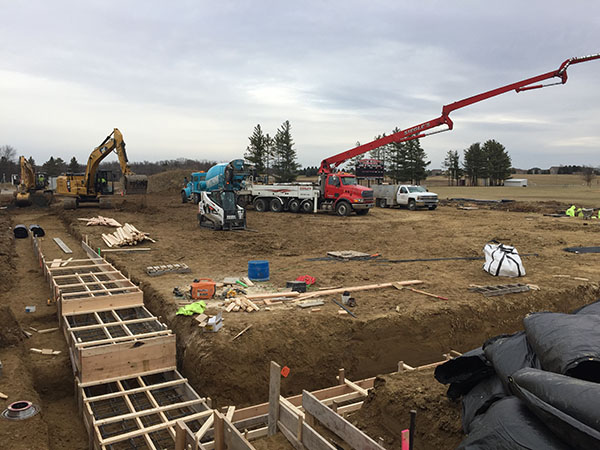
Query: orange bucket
x=204, y=288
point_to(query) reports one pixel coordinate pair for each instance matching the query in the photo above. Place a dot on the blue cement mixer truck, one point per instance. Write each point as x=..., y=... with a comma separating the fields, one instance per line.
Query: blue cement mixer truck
x=231, y=175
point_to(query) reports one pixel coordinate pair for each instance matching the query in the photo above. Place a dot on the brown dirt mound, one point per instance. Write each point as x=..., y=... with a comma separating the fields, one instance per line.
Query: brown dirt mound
x=386, y=412
x=10, y=332
x=170, y=181
x=7, y=252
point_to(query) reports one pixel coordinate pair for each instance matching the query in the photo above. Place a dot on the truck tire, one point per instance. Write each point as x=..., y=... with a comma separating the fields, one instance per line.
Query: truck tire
x=412, y=205
x=260, y=204
x=294, y=205
x=362, y=212
x=382, y=203
x=275, y=205
x=431, y=208
x=184, y=198
x=306, y=206
x=342, y=208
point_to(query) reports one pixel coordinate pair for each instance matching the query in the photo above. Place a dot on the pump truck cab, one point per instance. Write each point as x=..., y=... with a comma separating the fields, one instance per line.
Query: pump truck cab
x=337, y=192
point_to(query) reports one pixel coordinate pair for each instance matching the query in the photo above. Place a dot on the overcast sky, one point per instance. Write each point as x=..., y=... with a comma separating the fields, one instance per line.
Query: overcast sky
x=192, y=78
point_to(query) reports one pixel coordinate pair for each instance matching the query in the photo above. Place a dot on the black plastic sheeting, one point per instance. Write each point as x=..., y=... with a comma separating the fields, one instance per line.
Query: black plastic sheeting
x=535, y=389
x=582, y=249
x=508, y=424
x=464, y=372
x=20, y=231
x=37, y=231
x=509, y=353
x=480, y=398
x=568, y=407
x=568, y=344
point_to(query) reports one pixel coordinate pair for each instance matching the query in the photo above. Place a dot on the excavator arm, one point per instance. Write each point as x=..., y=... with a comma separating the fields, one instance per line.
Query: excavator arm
x=114, y=142
x=418, y=131
x=27, y=182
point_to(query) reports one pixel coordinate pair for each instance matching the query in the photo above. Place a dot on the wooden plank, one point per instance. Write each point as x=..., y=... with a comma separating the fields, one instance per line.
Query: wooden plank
x=273, y=295
x=219, y=427
x=234, y=439
x=274, y=390
x=180, y=435
x=290, y=436
x=356, y=387
x=90, y=304
x=64, y=247
x=336, y=423
x=117, y=360
x=205, y=427
x=313, y=440
x=136, y=390
x=367, y=287
x=146, y=412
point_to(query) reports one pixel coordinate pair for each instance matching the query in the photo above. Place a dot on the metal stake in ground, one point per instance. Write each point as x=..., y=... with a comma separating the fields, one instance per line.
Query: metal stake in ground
x=413, y=424
x=343, y=307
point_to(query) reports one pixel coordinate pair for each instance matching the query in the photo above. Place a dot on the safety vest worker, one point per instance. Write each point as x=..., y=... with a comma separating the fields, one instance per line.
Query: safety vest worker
x=579, y=212
x=571, y=211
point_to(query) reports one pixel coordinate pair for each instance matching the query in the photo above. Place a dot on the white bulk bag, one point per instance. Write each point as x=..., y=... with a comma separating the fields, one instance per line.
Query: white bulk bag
x=502, y=260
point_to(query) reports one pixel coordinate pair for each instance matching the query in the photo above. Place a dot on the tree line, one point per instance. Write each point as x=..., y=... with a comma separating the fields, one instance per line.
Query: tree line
x=489, y=161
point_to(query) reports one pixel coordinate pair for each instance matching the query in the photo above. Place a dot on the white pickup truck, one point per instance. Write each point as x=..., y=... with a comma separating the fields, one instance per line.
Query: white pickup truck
x=411, y=196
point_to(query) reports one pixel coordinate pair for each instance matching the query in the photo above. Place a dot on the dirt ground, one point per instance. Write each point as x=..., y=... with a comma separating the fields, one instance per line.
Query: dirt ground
x=391, y=325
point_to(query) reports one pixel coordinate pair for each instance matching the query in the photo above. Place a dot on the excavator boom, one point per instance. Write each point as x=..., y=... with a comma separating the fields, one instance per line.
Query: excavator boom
x=418, y=131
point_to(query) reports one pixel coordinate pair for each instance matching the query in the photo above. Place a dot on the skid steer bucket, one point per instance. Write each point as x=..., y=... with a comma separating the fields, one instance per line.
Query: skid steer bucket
x=135, y=184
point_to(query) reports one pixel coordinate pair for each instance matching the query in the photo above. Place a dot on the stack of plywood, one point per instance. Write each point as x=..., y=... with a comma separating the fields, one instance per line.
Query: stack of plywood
x=106, y=221
x=126, y=235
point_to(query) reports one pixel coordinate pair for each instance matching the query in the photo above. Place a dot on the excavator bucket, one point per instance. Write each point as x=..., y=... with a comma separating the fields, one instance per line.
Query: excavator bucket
x=23, y=199
x=135, y=184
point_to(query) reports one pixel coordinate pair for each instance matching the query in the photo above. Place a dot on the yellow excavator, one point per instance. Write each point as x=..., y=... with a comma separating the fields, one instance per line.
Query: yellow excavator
x=93, y=186
x=30, y=183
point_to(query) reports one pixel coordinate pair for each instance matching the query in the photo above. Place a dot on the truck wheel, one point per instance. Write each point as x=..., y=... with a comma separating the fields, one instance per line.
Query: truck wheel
x=382, y=203
x=362, y=212
x=184, y=198
x=260, y=205
x=431, y=208
x=276, y=205
x=306, y=206
x=294, y=205
x=342, y=208
x=412, y=205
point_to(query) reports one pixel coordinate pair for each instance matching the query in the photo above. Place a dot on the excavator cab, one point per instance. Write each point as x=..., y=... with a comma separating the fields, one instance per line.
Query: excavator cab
x=104, y=182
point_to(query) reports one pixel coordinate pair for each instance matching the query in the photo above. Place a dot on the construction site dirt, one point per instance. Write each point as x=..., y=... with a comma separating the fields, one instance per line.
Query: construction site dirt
x=391, y=325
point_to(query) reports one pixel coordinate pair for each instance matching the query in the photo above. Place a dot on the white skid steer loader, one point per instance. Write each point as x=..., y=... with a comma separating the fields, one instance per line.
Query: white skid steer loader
x=219, y=210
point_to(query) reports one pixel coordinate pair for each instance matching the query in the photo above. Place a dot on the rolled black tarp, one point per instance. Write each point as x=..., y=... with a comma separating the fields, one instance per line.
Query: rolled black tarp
x=568, y=344
x=20, y=231
x=480, y=398
x=508, y=425
x=508, y=353
x=464, y=372
x=568, y=406
x=36, y=230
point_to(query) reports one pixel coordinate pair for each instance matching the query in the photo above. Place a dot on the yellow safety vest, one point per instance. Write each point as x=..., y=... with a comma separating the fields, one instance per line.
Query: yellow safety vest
x=571, y=211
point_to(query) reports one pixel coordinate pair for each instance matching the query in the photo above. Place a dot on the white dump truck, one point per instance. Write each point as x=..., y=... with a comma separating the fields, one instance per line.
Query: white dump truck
x=413, y=197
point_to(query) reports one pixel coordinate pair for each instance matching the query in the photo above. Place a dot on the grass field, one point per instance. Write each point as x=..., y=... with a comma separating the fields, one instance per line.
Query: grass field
x=561, y=188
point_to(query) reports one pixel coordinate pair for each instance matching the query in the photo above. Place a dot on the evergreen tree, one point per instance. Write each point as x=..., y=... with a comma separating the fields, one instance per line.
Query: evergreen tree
x=380, y=153
x=475, y=163
x=54, y=167
x=285, y=166
x=73, y=166
x=414, y=167
x=498, y=162
x=31, y=161
x=452, y=166
x=256, y=152
x=268, y=155
x=397, y=154
x=350, y=165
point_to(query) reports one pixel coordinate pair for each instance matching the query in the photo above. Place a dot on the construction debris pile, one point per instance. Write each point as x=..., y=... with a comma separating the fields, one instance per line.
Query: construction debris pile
x=105, y=221
x=125, y=235
x=537, y=388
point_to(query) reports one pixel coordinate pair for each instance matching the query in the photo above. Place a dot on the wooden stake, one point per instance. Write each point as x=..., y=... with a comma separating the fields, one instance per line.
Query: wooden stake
x=274, y=390
x=219, y=430
x=341, y=376
x=241, y=332
x=179, y=435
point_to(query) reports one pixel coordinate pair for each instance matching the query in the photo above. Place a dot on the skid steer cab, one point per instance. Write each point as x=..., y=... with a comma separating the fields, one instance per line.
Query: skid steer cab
x=219, y=210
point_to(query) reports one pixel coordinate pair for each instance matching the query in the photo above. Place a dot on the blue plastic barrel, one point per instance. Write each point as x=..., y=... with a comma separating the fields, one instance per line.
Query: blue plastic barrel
x=258, y=270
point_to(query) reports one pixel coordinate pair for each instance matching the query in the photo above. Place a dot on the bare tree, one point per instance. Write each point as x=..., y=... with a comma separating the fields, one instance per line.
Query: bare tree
x=8, y=153
x=588, y=174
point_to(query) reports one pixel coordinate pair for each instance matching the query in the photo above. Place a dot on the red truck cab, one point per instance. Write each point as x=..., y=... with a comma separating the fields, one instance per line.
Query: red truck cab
x=345, y=195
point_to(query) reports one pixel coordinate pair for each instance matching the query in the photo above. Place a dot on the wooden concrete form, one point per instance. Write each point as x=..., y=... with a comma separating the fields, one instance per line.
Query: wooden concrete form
x=140, y=410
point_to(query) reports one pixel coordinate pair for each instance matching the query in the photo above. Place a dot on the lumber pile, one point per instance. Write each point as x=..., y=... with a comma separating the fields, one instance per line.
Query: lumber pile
x=125, y=235
x=240, y=304
x=105, y=221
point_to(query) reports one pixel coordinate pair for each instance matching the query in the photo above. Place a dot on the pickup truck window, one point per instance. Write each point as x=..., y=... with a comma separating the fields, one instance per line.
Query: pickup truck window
x=417, y=189
x=348, y=181
x=403, y=190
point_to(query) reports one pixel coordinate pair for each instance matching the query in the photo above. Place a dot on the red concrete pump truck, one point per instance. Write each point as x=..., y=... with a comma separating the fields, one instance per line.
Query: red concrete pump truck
x=339, y=191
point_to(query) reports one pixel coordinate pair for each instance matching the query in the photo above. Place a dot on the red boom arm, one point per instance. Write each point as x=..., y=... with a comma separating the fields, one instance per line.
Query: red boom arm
x=416, y=132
